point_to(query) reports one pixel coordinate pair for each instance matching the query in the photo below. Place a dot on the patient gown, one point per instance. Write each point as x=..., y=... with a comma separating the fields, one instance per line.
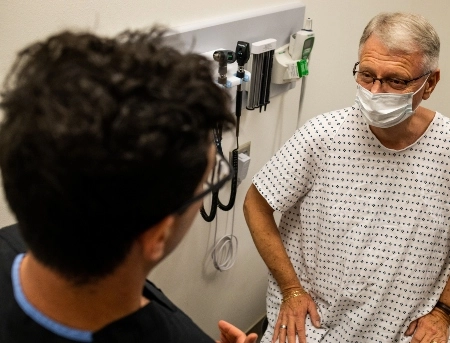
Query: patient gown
x=366, y=227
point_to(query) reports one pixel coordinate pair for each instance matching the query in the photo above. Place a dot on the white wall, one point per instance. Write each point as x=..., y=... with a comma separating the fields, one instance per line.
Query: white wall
x=188, y=276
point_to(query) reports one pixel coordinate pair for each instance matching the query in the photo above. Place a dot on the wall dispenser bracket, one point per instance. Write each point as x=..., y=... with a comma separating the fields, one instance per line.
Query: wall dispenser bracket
x=291, y=60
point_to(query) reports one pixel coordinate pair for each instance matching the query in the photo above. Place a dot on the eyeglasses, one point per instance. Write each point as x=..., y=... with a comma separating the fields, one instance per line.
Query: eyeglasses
x=364, y=78
x=220, y=174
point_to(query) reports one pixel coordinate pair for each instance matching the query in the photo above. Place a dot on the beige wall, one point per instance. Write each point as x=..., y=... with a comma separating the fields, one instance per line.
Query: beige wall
x=188, y=276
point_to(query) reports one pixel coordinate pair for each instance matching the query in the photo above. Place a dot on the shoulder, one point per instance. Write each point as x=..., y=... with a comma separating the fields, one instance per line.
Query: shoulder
x=442, y=120
x=329, y=122
x=15, y=325
x=337, y=116
x=159, y=321
x=11, y=241
x=325, y=126
x=11, y=245
x=439, y=129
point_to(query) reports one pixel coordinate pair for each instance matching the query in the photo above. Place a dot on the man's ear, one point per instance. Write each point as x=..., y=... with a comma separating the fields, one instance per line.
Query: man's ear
x=153, y=240
x=432, y=81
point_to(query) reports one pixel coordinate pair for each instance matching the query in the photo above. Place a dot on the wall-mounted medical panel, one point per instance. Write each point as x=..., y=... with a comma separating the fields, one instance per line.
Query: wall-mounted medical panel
x=276, y=23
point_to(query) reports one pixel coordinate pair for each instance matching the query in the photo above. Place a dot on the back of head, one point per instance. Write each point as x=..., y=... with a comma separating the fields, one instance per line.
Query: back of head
x=405, y=33
x=102, y=138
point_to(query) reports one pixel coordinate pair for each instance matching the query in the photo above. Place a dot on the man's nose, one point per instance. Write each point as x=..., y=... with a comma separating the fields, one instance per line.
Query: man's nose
x=377, y=87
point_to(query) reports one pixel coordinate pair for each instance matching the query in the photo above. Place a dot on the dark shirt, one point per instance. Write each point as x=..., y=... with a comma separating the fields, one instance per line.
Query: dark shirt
x=159, y=321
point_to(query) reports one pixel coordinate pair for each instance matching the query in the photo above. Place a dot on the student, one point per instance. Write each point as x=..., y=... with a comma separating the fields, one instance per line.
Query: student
x=105, y=153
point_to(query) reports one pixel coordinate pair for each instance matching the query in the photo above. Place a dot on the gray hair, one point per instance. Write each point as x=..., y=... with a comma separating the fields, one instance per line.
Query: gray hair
x=406, y=33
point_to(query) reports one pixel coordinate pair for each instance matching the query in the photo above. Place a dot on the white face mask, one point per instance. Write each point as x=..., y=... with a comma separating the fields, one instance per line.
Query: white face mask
x=385, y=109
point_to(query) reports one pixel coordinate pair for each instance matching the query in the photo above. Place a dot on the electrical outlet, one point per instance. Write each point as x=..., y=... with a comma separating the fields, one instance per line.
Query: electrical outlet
x=243, y=149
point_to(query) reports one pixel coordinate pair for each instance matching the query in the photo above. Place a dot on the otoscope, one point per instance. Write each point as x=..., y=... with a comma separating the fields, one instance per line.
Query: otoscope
x=242, y=56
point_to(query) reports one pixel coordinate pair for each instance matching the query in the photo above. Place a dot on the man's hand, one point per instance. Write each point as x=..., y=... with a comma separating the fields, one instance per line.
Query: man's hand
x=432, y=327
x=231, y=334
x=293, y=315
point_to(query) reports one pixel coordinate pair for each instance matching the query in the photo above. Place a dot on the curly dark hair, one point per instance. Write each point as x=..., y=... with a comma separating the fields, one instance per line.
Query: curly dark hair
x=101, y=139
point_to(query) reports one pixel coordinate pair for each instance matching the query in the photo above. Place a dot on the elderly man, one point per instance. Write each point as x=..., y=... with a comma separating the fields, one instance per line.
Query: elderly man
x=105, y=152
x=361, y=253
